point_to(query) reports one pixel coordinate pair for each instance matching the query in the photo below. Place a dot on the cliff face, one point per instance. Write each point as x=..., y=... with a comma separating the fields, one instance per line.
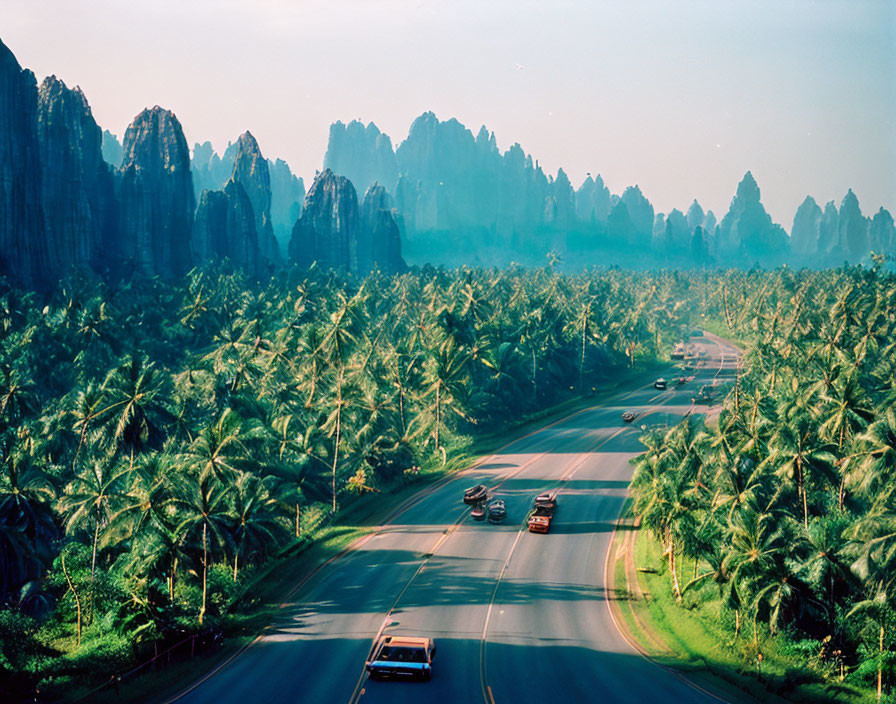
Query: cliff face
x=328, y=223
x=23, y=250
x=156, y=196
x=112, y=151
x=593, y=200
x=747, y=229
x=805, y=231
x=250, y=169
x=77, y=193
x=854, y=242
x=379, y=234
x=882, y=232
x=224, y=228
x=363, y=155
x=287, y=194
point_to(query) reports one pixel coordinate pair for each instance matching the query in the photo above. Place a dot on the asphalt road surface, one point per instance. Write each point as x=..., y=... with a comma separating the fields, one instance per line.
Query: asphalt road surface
x=518, y=617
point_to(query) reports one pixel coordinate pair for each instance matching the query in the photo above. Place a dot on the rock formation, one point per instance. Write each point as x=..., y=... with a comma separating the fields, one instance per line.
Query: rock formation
x=23, y=249
x=677, y=234
x=156, y=195
x=805, y=230
x=696, y=217
x=334, y=232
x=224, y=228
x=641, y=213
x=287, y=194
x=853, y=241
x=250, y=169
x=592, y=200
x=829, y=230
x=112, y=151
x=328, y=222
x=882, y=233
x=380, y=233
x=620, y=228
x=77, y=191
x=210, y=171
x=747, y=229
x=363, y=155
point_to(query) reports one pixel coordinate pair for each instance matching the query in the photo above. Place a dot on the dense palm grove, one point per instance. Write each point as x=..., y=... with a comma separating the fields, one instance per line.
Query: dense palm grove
x=159, y=442
x=787, y=504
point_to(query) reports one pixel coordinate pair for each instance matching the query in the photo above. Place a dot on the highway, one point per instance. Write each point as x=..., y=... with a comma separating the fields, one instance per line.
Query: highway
x=517, y=616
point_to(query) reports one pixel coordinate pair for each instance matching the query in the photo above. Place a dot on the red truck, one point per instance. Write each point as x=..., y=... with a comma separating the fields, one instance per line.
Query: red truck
x=542, y=513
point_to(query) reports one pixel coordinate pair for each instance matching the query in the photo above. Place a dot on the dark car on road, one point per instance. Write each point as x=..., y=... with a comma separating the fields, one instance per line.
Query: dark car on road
x=478, y=513
x=629, y=416
x=704, y=396
x=661, y=384
x=402, y=657
x=476, y=495
x=497, y=512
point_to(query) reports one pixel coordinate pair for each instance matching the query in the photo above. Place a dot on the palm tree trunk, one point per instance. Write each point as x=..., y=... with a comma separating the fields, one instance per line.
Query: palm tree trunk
x=336, y=454
x=880, y=665
x=236, y=562
x=438, y=412
x=75, y=594
x=96, y=535
x=582, y=360
x=673, y=570
x=802, y=486
x=534, y=380
x=298, y=518
x=204, y=570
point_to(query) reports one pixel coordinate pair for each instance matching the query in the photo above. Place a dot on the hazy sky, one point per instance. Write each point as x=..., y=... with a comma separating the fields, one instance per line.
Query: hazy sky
x=679, y=97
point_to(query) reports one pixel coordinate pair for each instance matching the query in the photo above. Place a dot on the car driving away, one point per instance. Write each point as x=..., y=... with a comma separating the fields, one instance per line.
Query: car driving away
x=402, y=657
x=660, y=384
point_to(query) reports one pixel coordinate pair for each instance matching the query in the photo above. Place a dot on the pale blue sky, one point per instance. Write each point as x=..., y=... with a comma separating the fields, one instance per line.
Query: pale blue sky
x=679, y=97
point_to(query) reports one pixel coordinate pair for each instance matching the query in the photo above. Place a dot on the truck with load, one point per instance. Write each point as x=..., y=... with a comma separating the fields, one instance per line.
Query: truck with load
x=543, y=513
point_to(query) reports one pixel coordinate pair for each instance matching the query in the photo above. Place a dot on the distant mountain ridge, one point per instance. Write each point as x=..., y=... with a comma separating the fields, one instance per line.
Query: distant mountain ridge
x=462, y=201
x=72, y=195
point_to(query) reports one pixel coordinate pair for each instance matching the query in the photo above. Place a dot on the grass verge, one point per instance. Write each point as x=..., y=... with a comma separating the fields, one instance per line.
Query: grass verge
x=699, y=643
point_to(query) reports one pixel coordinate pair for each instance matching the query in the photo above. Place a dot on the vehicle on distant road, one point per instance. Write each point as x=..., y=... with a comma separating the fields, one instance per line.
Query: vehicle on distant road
x=660, y=384
x=540, y=518
x=547, y=500
x=478, y=512
x=497, y=512
x=678, y=352
x=629, y=416
x=703, y=396
x=476, y=494
x=402, y=657
x=682, y=380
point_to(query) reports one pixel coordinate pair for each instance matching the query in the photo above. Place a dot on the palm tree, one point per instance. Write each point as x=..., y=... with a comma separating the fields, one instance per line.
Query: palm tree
x=97, y=491
x=134, y=406
x=206, y=519
x=220, y=449
x=256, y=529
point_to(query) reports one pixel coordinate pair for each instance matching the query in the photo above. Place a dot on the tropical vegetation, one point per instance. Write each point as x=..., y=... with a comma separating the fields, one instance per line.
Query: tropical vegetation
x=161, y=442
x=786, y=502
